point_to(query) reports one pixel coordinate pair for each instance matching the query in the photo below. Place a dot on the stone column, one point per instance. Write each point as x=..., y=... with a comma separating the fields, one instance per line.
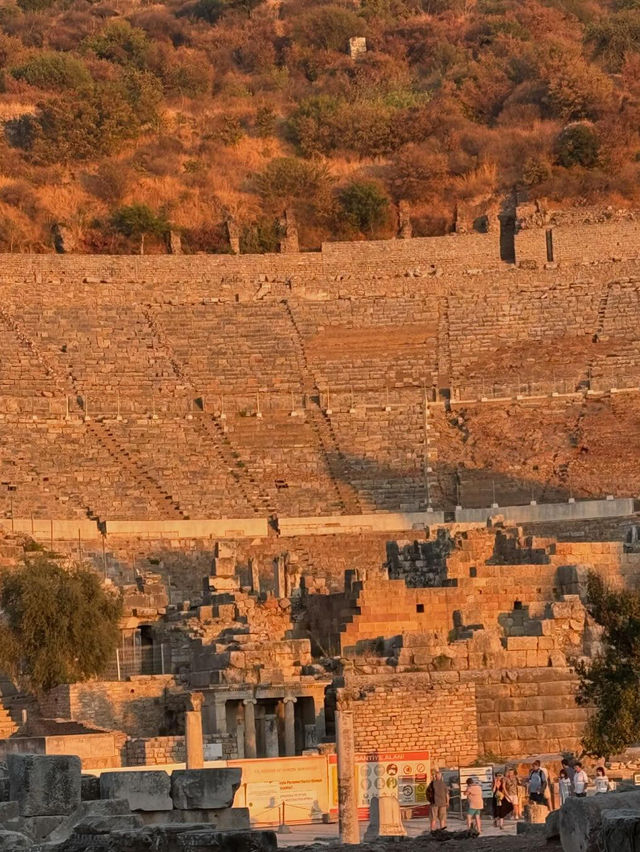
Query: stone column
x=255, y=576
x=220, y=716
x=347, y=795
x=272, y=747
x=250, y=747
x=279, y=577
x=289, y=726
x=193, y=733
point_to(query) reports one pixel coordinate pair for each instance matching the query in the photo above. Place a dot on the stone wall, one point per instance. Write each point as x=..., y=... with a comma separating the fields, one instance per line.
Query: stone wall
x=414, y=712
x=160, y=751
x=139, y=707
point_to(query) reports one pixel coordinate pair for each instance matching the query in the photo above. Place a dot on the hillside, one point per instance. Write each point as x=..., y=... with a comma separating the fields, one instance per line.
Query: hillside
x=126, y=119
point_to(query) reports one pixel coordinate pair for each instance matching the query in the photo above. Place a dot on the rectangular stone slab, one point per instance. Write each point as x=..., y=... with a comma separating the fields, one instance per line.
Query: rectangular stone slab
x=195, y=789
x=44, y=784
x=146, y=790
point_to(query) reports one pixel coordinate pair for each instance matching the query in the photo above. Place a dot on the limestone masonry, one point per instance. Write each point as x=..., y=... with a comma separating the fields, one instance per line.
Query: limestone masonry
x=369, y=481
x=367, y=377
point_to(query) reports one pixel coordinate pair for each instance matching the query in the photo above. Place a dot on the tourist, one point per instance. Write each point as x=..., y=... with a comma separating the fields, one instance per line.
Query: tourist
x=580, y=781
x=538, y=784
x=438, y=797
x=502, y=805
x=603, y=785
x=474, y=804
x=564, y=785
x=512, y=788
x=568, y=768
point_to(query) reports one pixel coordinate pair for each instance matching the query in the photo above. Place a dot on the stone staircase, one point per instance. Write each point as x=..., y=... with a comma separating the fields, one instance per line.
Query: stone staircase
x=8, y=727
x=322, y=427
x=143, y=479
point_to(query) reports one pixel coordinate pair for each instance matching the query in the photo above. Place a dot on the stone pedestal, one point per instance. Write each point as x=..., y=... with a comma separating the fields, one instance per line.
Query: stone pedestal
x=250, y=747
x=535, y=813
x=347, y=798
x=289, y=726
x=193, y=739
x=385, y=819
x=272, y=748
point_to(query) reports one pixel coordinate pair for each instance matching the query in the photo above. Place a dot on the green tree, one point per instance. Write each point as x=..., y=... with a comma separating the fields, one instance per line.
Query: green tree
x=611, y=681
x=59, y=625
x=365, y=205
x=139, y=220
x=578, y=145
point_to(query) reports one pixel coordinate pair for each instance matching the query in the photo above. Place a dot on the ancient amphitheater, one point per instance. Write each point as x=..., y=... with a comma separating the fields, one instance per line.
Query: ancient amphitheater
x=393, y=462
x=368, y=377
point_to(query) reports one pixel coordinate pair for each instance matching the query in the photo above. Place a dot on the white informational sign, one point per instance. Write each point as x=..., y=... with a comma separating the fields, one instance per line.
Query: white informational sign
x=483, y=774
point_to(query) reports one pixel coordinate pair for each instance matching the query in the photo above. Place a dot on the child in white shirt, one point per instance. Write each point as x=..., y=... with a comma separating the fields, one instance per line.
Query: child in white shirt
x=580, y=781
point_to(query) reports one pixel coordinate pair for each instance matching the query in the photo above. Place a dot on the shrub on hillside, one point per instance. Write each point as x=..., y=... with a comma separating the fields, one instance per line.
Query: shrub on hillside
x=578, y=145
x=364, y=205
x=53, y=70
x=328, y=27
x=121, y=43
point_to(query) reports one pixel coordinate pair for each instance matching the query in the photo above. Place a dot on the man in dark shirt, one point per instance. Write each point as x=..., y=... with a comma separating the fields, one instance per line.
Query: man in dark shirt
x=438, y=796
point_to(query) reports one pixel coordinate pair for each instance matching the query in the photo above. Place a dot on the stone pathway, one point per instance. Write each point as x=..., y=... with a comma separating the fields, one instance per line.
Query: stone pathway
x=307, y=834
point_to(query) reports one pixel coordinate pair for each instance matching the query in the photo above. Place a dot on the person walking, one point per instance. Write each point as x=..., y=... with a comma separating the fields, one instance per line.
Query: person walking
x=502, y=805
x=474, y=804
x=603, y=785
x=568, y=768
x=564, y=785
x=438, y=797
x=580, y=781
x=512, y=787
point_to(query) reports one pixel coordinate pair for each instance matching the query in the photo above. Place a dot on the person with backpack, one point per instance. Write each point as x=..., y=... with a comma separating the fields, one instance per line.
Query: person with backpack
x=538, y=784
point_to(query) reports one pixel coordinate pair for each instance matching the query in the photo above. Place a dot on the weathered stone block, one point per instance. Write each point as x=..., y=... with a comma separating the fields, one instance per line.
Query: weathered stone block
x=204, y=788
x=146, y=790
x=552, y=825
x=169, y=838
x=581, y=819
x=620, y=831
x=13, y=841
x=8, y=810
x=89, y=788
x=44, y=784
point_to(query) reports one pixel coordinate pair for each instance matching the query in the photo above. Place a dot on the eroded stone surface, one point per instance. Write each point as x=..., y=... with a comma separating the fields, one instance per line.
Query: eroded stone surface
x=204, y=788
x=145, y=790
x=44, y=785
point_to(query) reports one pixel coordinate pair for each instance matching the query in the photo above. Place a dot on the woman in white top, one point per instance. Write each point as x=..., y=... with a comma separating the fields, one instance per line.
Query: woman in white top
x=602, y=782
x=564, y=783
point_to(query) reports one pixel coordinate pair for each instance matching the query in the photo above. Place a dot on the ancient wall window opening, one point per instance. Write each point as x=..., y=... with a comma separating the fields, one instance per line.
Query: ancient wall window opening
x=508, y=238
x=549, y=240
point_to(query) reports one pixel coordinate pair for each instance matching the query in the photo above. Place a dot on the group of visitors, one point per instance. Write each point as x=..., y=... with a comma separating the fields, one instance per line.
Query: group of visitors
x=509, y=793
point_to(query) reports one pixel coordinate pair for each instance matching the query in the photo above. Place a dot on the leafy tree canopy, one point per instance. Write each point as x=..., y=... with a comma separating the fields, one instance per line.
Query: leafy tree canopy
x=611, y=682
x=59, y=625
